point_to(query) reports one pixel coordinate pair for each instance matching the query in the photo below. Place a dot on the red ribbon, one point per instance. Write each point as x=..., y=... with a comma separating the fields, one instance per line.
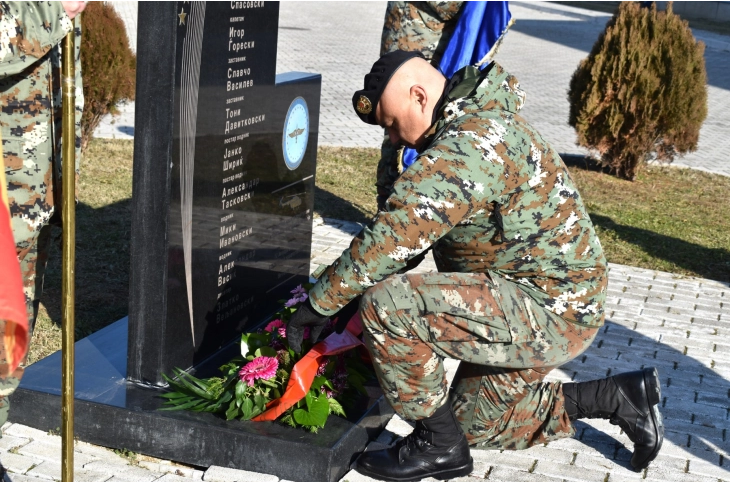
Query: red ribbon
x=305, y=369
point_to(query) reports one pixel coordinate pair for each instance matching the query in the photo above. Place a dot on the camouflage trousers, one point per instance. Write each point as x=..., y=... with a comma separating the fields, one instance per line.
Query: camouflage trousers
x=33, y=256
x=506, y=342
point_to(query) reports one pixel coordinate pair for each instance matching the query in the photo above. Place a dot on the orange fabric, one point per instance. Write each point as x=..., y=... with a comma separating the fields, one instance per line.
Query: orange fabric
x=305, y=370
x=12, y=300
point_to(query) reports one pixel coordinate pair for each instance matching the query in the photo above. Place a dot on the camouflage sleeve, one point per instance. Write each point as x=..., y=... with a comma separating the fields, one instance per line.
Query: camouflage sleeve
x=435, y=194
x=28, y=30
x=446, y=10
x=389, y=169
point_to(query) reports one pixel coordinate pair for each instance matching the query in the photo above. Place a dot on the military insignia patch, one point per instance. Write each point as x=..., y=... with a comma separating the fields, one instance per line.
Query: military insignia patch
x=363, y=105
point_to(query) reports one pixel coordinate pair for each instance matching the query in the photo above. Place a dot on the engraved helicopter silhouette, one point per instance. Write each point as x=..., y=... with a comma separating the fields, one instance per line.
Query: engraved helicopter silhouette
x=294, y=201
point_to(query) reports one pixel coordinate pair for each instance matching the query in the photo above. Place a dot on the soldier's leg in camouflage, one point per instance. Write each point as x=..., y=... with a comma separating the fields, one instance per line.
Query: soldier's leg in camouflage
x=414, y=382
x=33, y=257
x=629, y=400
x=413, y=322
x=508, y=408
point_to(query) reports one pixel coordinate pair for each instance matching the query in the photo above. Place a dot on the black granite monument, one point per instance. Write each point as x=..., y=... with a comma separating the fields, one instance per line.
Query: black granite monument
x=224, y=164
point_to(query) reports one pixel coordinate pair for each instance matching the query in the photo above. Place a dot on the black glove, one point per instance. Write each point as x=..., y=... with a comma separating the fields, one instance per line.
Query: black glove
x=303, y=317
x=344, y=315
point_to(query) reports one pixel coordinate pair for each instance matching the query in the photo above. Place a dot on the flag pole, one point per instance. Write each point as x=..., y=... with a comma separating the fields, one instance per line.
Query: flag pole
x=68, y=218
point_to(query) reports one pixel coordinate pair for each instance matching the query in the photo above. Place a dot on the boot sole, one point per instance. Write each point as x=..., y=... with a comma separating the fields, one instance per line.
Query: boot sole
x=654, y=395
x=441, y=475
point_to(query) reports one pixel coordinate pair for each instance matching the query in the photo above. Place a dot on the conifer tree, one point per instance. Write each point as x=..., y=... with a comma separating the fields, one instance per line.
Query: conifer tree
x=641, y=93
x=108, y=66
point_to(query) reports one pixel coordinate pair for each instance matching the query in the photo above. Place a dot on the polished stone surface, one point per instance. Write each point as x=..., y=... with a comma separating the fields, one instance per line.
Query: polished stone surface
x=222, y=223
x=112, y=412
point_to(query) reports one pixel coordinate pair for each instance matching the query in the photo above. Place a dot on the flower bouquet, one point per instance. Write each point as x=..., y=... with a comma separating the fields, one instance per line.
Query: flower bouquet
x=269, y=381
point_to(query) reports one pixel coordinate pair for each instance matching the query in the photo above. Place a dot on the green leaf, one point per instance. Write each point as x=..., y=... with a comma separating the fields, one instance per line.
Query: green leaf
x=256, y=411
x=188, y=384
x=268, y=383
x=247, y=409
x=265, y=351
x=232, y=411
x=173, y=395
x=254, y=341
x=335, y=407
x=309, y=398
x=288, y=420
x=316, y=415
x=259, y=401
x=241, y=390
x=318, y=382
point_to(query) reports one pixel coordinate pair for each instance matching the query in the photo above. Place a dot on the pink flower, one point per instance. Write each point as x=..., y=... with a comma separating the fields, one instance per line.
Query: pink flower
x=263, y=367
x=273, y=325
x=282, y=332
x=298, y=291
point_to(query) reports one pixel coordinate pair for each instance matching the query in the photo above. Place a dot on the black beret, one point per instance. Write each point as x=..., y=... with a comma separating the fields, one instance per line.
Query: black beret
x=365, y=101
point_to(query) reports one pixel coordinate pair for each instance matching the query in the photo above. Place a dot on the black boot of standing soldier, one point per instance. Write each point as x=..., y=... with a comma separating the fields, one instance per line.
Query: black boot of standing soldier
x=436, y=448
x=629, y=400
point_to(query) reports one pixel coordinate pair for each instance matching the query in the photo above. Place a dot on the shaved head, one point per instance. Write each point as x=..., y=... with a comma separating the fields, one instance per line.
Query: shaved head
x=408, y=101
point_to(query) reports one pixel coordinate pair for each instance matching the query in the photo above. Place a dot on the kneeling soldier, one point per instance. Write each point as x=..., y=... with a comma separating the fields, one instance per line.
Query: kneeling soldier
x=520, y=288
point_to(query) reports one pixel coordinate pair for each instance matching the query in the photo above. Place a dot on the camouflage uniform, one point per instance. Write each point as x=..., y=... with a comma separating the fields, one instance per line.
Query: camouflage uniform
x=30, y=123
x=522, y=275
x=425, y=27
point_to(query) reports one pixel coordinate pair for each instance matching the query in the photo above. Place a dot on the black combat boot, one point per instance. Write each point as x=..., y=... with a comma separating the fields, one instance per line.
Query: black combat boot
x=436, y=448
x=629, y=400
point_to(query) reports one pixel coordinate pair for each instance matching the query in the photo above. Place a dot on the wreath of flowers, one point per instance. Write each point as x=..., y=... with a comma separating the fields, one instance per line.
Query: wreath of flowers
x=264, y=382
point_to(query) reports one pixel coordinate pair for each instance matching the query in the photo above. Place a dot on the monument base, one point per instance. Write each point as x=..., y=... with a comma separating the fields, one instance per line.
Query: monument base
x=112, y=412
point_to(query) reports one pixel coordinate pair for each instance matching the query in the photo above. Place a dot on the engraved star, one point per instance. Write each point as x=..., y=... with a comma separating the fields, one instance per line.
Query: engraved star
x=182, y=16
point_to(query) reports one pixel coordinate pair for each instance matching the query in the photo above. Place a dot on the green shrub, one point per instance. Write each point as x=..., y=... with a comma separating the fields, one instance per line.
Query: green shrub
x=641, y=93
x=108, y=65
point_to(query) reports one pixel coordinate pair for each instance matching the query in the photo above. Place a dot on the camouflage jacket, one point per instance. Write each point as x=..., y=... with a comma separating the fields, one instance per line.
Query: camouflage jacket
x=30, y=99
x=422, y=26
x=488, y=193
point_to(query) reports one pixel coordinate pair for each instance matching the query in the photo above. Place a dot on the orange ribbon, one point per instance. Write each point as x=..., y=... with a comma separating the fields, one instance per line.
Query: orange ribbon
x=305, y=369
x=13, y=314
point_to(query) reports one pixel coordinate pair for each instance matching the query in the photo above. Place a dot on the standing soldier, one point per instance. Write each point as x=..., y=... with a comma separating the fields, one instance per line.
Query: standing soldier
x=520, y=289
x=30, y=122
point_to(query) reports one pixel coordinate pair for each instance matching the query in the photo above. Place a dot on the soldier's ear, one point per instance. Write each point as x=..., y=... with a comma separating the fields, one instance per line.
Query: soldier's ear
x=419, y=96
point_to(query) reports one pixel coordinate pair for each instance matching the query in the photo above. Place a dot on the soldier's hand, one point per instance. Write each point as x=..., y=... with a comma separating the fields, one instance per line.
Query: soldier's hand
x=345, y=314
x=73, y=8
x=304, y=317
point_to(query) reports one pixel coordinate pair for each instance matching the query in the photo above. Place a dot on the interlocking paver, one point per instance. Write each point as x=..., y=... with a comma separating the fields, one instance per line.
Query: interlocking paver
x=224, y=474
x=18, y=463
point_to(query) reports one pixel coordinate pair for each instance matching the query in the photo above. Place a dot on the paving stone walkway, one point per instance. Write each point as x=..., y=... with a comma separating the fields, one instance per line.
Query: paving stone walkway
x=680, y=325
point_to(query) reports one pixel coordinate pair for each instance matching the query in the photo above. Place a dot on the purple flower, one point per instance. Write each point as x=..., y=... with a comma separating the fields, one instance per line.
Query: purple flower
x=299, y=291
